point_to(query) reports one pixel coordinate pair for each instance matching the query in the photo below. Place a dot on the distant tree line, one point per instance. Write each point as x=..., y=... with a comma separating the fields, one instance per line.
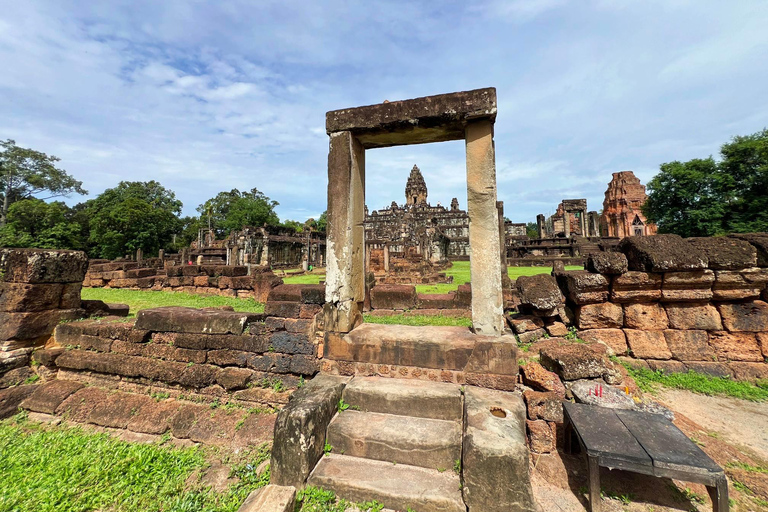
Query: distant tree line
x=120, y=220
x=708, y=197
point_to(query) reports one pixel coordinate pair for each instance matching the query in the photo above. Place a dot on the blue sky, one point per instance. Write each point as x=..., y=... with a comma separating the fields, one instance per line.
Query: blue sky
x=205, y=96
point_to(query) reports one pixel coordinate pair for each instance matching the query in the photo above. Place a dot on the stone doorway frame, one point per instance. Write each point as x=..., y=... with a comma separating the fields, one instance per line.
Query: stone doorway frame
x=467, y=115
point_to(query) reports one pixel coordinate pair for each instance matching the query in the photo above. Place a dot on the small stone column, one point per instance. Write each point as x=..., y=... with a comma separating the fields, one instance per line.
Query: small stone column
x=485, y=267
x=185, y=256
x=234, y=255
x=161, y=255
x=566, y=224
x=541, y=225
x=139, y=255
x=386, y=257
x=345, y=269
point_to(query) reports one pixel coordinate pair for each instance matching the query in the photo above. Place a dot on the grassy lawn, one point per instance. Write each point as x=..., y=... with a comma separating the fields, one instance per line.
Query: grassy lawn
x=419, y=320
x=459, y=270
x=140, y=299
x=649, y=380
x=66, y=469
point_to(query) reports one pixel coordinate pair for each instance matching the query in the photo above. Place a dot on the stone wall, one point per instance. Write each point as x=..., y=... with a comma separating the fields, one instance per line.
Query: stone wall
x=209, y=353
x=38, y=290
x=390, y=299
x=224, y=280
x=671, y=304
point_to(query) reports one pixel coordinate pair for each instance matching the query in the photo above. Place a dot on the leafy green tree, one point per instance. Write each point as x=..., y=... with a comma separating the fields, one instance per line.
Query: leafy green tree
x=705, y=197
x=130, y=216
x=532, y=230
x=232, y=210
x=36, y=223
x=295, y=225
x=26, y=173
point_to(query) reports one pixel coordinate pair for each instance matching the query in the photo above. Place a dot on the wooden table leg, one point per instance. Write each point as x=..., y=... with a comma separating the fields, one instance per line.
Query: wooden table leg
x=719, y=495
x=593, y=470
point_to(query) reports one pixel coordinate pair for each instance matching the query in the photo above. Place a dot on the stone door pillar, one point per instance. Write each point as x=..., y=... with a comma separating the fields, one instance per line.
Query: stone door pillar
x=345, y=266
x=484, y=261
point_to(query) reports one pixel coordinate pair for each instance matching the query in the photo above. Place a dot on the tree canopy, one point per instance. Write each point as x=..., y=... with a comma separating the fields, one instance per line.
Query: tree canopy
x=705, y=197
x=232, y=210
x=130, y=216
x=36, y=223
x=26, y=174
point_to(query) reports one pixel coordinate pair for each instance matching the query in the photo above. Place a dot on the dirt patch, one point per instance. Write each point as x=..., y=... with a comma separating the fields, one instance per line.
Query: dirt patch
x=739, y=422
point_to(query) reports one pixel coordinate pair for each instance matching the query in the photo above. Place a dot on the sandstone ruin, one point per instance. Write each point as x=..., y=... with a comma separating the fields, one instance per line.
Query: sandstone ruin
x=622, y=209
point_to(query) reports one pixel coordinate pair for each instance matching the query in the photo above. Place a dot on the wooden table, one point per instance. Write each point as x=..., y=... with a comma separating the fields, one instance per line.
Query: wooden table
x=641, y=442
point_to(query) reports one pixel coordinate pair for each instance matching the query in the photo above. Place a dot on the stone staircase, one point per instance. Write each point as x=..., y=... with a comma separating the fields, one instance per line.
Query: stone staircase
x=398, y=443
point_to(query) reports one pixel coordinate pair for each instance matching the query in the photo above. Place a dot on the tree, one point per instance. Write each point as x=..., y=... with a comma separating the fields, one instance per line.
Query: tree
x=532, y=230
x=232, y=210
x=36, y=223
x=130, y=216
x=295, y=225
x=704, y=197
x=27, y=173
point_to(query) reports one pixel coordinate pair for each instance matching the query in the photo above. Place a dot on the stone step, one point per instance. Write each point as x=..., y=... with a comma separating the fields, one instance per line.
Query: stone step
x=396, y=486
x=416, y=398
x=428, y=443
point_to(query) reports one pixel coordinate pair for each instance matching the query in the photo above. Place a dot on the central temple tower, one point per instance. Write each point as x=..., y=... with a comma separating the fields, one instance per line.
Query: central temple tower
x=415, y=188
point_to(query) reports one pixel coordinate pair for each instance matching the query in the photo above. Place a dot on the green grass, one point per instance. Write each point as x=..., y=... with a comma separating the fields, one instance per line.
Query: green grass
x=140, y=299
x=461, y=275
x=419, y=320
x=304, y=279
x=649, y=380
x=66, y=469
x=459, y=270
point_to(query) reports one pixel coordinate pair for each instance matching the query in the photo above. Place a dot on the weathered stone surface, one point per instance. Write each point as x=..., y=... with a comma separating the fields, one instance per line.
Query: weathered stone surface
x=542, y=405
x=749, y=371
x=15, y=377
x=636, y=287
x=300, y=429
x=760, y=242
x=422, y=442
x=695, y=286
x=710, y=368
x=588, y=392
x=611, y=263
x=117, y=410
x=284, y=309
x=532, y=336
x=425, y=347
x=495, y=458
x=725, y=253
x=292, y=343
x=49, y=396
x=154, y=417
x=693, y=316
x=661, y=253
x=272, y=498
x=647, y=344
x=762, y=340
x=599, y=316
x=24, y=297
x=667, y=366
x=732, y=285
x=584, y=287
x=541, y=379
x=541, y=436
x=304, y=364
x=190, y=320
x=42, y=266
x=393, y=296
x=689, y=345
x=79, y=404
x=47, y=356
x=11, y=399
x=524, y=323
x=745, y=316
x=735, y=346
x=612, y=338
x=421, y=399
x=396, y=486
x=539, y=292
x=27, y=326
x=234, y=378
x=649, y=317
x=419, y=120
x=496, y=356
x=556, y=329
x=286, y=292
x=579, y=361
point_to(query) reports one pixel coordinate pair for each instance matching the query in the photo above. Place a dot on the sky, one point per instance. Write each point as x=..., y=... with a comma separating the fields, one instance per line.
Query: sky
x=205, y=96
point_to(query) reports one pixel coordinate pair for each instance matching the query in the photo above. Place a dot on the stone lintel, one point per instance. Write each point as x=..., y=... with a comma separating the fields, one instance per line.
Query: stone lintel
x=416, y=121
